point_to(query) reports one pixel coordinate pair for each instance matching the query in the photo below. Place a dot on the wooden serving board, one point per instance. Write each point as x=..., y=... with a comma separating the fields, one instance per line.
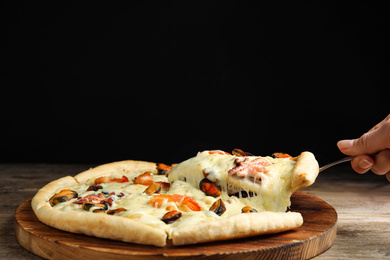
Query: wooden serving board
x=314, y=237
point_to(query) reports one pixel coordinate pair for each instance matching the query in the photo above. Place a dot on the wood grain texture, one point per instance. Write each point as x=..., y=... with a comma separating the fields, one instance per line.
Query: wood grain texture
x=312, y=238
x=362, y=203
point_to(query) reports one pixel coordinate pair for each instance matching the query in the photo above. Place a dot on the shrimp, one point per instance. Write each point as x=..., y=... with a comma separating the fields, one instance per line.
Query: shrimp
x=183, y=202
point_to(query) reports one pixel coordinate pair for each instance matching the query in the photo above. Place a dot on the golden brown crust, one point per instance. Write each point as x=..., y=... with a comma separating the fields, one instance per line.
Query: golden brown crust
x=102, y=225
x=305, y=171
x=237, y=226
x=136, y=167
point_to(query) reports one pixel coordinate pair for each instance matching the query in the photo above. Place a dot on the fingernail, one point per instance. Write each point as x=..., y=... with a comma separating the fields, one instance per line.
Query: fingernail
x=365, y=164
x=345, y=144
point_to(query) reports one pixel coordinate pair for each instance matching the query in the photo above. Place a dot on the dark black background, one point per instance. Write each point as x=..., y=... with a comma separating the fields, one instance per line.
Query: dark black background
x=159, y=81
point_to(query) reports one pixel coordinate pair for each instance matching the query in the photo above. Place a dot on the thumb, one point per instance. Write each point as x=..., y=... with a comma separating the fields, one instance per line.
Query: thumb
x=369, y=143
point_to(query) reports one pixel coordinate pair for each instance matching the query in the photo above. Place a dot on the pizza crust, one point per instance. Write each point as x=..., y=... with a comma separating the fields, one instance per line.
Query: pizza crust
x=237, y=226
x=102, y=225
x=305, y=171
x=135, y=167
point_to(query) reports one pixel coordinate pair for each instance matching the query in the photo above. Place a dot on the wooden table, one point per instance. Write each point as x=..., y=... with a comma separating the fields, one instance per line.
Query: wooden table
x=361, y=201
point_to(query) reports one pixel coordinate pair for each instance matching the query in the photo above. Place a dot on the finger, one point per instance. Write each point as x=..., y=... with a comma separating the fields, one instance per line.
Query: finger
x=381, y=162
x=344, y=146
x=369, y=143
x=380, y=123
x=362, y=163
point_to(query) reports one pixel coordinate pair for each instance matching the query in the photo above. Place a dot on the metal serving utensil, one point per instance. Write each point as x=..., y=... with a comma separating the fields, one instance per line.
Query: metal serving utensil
x=326, y=166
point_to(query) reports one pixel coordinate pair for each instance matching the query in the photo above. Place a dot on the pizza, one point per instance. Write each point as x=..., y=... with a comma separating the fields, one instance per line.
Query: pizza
x=210, y=197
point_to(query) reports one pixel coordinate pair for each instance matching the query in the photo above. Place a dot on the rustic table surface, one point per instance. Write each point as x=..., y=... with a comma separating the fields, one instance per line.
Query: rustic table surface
x=361, y=201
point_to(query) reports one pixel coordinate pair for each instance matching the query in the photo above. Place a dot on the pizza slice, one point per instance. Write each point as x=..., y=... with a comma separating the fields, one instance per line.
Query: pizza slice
x=267, y=183
x=244, y=184
x=228, y=195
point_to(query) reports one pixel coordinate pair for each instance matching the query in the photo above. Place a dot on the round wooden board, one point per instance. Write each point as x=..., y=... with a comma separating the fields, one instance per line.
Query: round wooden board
x=314, y=237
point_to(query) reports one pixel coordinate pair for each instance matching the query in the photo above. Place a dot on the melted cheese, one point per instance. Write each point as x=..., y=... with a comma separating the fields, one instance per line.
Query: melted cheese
x=272, y=193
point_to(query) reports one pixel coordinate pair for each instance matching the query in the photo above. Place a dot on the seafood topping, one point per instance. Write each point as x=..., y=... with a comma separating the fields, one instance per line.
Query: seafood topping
x=106, y=179
x=282, y=155
x=243, y=194
x=219, y=152
x=184, y=203
x=171, y=216
x=210, y=188
x=153, y=188
x=218, y=207
x=62, y=196
x=248, y=209
x=96, y=207
x=164, y=185
x=99, y=198
x=144, y=179
x=115, y=211
x=163, y=169
x=94, y=187
x=249, y=168
x=241, y=153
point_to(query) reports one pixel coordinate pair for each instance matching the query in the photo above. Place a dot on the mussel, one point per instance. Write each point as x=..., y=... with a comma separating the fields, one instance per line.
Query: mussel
x=97, y=207
x=241, y=153
x=243, y=194
x=144, y=179
x=248, y=209
x=282, y=155
x=163, y=169
x=171, y=216
x=209, y=188
x=153, y=188
x=218, y=207
x=62, y=196
x=115, y=211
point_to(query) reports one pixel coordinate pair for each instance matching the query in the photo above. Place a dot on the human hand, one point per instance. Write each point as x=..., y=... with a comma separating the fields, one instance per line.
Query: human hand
x=372, y=150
